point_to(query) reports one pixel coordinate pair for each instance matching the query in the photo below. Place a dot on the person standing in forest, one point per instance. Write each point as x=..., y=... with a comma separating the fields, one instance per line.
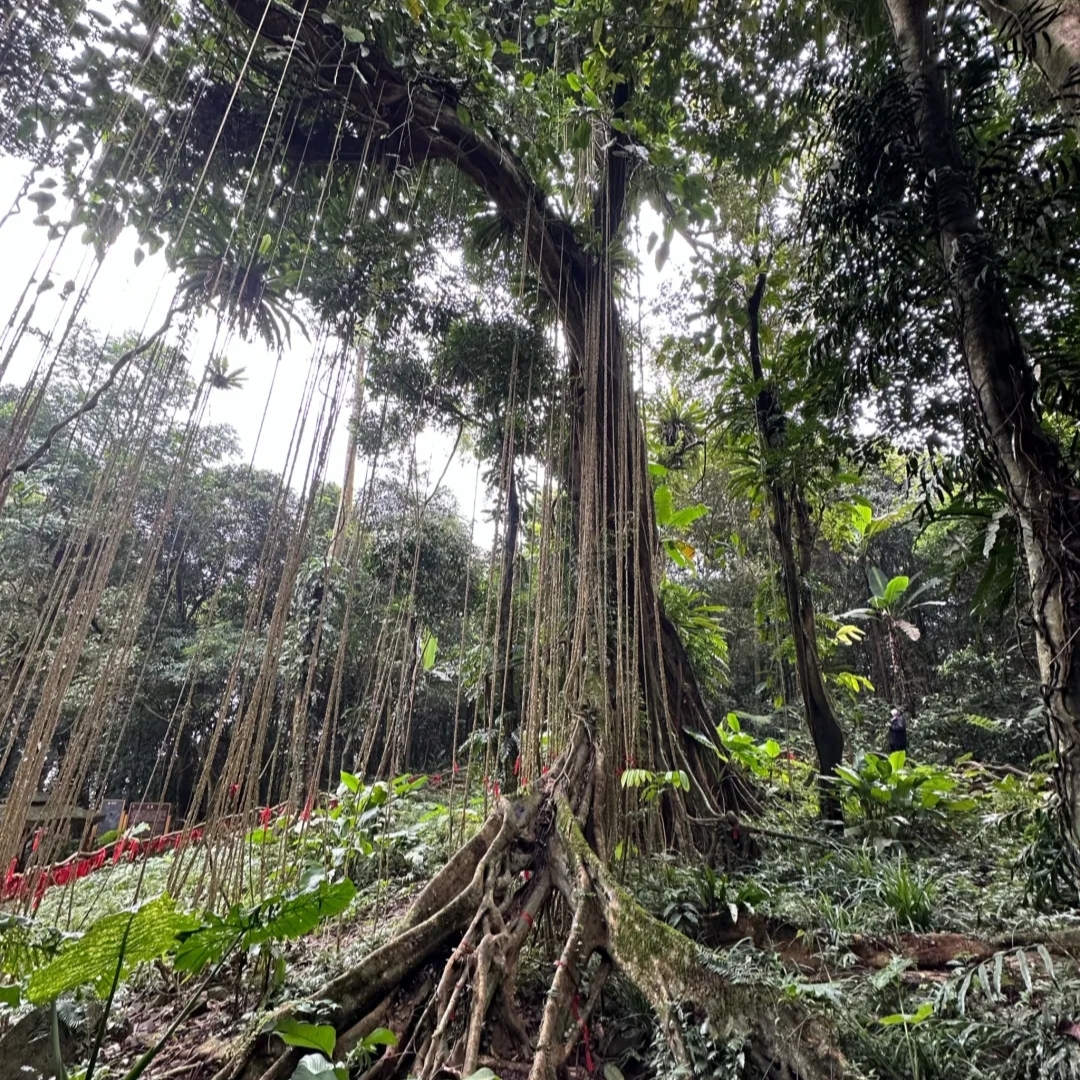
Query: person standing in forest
x=897, y=736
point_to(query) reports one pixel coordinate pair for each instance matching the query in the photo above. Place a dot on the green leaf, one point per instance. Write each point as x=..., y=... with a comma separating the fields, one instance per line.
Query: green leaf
x=264, y=244
x=316, y=1067
x=896, y=588
x=772, y=748
x=350, y=781
x=573, y=80
x=663, y=503
x=141, y=935
x=687, y=516
x=634, y=778
x=511, y=48
x=381, y=1036
x=878, y=582
x=275, y=919
x=301, y=914
x=481, y=1074
x=431, y=646
x=897, y=759
x=702, y=738
x=356, y=36
x=923, y=1012
x=10, y=996
x=294, y=1032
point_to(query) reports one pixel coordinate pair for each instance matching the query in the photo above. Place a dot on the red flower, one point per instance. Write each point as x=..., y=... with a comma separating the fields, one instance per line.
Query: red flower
x=517, y=765
x=264, y=817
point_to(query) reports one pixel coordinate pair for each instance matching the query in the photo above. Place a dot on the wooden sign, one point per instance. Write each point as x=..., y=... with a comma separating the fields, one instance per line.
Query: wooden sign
x=157, y=815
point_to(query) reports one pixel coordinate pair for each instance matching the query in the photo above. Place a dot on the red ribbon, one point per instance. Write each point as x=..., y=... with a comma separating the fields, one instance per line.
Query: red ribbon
x=590, y=1065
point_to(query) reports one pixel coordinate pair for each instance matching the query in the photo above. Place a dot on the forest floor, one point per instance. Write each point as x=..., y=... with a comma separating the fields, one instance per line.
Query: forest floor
x=947, y=954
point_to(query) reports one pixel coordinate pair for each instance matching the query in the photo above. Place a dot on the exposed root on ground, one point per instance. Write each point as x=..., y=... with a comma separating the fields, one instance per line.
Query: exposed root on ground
x=446, y=984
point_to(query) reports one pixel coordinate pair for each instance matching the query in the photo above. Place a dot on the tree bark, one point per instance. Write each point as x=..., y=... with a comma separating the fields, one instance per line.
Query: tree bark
x=787, y=513
x=1049, y=33
x=1041, y=489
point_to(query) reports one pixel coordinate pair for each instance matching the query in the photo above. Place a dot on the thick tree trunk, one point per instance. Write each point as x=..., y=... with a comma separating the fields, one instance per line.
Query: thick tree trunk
x=1042, y=491
x=1049, y=32
x=786, y=514
x=418, y=120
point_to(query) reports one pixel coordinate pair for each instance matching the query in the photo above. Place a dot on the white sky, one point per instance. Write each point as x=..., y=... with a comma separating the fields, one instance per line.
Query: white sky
x=126, y=298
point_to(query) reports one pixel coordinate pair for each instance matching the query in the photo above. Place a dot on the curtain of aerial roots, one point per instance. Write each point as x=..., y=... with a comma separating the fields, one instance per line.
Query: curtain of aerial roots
x=57, y=751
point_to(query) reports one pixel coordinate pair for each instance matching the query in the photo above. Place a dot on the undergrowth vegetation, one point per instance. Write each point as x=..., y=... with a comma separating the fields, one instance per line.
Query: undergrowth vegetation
x=938, y=931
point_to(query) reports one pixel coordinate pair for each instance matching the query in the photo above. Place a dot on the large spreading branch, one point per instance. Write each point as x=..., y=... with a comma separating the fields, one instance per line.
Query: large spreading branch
x=416, y=120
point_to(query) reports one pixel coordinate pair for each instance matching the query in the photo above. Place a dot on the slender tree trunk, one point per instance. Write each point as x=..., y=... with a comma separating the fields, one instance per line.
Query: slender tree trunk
x=504, y=700
x=345, y=503
x=1049, y=32
x=1041, y=490
x=788, y=514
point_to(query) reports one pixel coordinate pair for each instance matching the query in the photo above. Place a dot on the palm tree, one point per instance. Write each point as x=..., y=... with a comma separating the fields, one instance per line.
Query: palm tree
x=891, y=606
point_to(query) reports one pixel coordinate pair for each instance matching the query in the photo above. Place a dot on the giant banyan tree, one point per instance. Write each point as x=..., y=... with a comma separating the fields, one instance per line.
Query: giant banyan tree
x=314, y=160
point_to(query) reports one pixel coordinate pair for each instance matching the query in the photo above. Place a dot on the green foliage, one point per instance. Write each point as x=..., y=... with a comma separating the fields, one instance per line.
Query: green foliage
x=26, y=945
x=891, y=797
x=352, y=830
x=111, y=949
x=909, y=894
x=279, y=918
x=321, y=1037
x=368, y=1048
x=1042, y=863
x=700, y=629
x=703, y=895
x=652, y=785
x=739, y=747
